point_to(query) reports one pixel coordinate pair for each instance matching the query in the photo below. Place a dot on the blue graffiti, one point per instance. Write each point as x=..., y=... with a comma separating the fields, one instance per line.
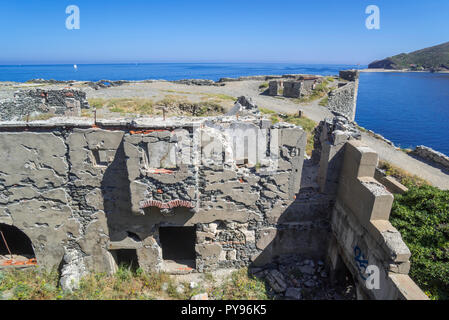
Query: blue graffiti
x=361, y=262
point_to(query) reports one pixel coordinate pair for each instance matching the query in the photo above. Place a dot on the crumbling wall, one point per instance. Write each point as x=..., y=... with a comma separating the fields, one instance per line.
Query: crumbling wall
x=224, y=187
x=275, y=87
x=293, y=89
x=363, y=238
x=330, y=138
x=35, y=102
x=343, y=101
x=79, y=191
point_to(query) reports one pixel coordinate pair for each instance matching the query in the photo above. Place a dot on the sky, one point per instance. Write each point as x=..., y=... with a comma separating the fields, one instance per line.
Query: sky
x=287, y=31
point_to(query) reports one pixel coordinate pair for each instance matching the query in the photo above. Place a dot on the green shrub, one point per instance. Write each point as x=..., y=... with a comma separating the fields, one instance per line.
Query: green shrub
x=264, y=86
x=324, y=102
x=241, y=286
x=422, y=217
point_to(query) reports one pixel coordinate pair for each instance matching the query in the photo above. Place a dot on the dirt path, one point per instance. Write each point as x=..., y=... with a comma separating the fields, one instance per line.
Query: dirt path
x=400, y=159
x=159, y=89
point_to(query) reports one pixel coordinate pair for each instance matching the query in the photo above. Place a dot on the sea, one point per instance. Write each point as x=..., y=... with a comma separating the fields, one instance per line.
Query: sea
x=409, y=109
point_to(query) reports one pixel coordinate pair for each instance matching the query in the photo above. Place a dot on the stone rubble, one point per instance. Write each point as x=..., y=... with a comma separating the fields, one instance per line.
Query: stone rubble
x=73, y=270
x=295, y=278
x=244, y=107
x=30, y=103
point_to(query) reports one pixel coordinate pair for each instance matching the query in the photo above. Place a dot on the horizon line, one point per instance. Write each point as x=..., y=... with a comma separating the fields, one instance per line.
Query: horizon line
x=170, y=62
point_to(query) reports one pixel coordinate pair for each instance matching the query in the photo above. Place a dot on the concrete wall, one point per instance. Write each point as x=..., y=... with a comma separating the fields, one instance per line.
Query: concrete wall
x=362, y=233
x=79, y=190
x=330, y=139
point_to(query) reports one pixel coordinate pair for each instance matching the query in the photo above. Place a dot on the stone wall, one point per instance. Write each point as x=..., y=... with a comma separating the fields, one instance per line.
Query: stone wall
x=349, y=75
x=343, y=101
x=432, y=156
x=297, y=88
x=79, y=190
x=35, y=102
x=292, y=89
x=274, y=87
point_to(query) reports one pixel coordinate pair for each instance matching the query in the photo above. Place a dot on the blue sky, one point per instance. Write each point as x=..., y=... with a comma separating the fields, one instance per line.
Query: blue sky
x=325, y=31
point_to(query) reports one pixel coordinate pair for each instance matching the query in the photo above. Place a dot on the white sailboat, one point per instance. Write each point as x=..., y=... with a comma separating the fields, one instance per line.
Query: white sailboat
x=75, y=67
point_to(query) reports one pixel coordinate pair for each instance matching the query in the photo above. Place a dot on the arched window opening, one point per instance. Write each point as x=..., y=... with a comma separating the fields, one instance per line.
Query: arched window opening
x=15, y=247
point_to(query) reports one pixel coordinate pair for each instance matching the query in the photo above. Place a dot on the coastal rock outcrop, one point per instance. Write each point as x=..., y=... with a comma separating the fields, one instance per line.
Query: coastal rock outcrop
x=431, y=155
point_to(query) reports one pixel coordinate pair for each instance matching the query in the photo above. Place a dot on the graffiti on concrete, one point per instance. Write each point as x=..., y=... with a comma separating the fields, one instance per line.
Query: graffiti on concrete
x=361, y=262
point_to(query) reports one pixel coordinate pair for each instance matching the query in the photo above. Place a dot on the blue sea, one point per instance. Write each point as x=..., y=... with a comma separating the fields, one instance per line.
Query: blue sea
x=166, y=71
x=409, y=109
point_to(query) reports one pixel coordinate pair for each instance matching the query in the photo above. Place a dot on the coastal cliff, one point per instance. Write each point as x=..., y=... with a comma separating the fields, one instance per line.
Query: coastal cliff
x=434, y=59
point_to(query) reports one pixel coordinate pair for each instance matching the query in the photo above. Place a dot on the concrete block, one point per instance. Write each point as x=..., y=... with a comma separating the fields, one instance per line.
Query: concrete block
x=407, y=288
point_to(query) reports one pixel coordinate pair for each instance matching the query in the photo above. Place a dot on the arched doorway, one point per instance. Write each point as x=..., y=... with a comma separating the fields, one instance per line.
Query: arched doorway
x=16, y=248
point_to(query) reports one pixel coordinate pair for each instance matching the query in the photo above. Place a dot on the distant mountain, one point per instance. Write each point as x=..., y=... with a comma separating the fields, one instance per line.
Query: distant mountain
x=432, y=59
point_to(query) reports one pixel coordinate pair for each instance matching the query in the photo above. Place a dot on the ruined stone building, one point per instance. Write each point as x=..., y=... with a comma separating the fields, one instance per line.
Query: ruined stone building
x=29, y=103
x=196, y=195
x=296, y=87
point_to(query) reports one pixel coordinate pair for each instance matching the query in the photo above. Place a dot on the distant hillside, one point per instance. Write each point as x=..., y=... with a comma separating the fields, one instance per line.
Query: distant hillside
x=434, y=59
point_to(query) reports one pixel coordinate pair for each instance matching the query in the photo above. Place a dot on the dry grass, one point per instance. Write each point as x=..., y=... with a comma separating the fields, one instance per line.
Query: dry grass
x=321, y=90
x=307, y=124
x=33, y=284
x=402, y=175
x=124, y=105
x=219, y=96
x=180, y=105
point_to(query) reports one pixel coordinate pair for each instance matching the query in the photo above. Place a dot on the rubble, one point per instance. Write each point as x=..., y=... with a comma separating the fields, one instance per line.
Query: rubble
x=244, y=107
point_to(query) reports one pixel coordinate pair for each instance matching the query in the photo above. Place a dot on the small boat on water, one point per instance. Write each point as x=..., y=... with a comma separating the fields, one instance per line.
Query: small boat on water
x=75, y=67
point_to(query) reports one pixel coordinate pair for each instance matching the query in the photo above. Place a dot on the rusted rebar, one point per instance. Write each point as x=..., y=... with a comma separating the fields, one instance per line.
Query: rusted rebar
x=6, y=243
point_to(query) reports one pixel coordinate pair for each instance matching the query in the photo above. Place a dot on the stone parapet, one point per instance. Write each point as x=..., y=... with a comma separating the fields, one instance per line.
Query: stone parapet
x=432, y=156
x=370, y=247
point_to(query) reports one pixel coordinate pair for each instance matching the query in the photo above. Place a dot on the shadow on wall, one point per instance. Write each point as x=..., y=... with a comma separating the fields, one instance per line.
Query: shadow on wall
x=129, y=231
x=303, y=228
x=297, y=227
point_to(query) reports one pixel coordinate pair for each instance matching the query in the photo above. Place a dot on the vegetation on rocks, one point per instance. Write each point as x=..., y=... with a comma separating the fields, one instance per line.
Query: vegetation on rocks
x=174, y=104
x=241, y=286
x=404, y=177
x=307, y=124
x=321, y=90
x=124, y=105
x=422, y=217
